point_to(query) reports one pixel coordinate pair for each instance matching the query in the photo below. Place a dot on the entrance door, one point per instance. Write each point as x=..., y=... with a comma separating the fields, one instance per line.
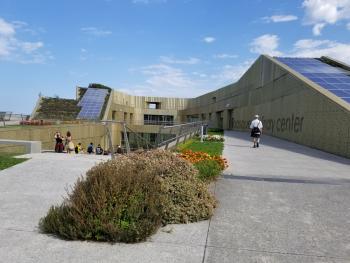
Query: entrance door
x=220, y=119
x=230, y=119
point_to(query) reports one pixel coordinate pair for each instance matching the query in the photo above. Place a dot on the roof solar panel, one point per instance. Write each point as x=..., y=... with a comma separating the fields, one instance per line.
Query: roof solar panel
x=328, y=77
x=92, y=103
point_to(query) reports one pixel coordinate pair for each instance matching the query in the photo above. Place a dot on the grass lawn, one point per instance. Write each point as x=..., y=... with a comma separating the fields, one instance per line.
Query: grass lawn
x=215, y=132
x=7, y=160
x=212, y=148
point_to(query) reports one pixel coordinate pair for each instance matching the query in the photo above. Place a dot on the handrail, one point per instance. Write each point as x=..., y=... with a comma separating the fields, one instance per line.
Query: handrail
x=190, y=128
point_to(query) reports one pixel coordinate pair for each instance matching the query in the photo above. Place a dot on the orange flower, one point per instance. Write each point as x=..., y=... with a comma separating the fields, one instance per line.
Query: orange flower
x=195, y=157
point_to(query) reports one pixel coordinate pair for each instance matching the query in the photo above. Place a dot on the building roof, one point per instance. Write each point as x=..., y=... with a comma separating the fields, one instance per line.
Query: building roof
x=330, y=77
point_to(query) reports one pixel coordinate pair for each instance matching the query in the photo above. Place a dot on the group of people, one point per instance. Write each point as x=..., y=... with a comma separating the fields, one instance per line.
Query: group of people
x=65, y=143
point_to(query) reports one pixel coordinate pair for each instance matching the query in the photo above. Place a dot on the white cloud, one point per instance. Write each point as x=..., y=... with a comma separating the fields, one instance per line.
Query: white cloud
x=6, y=29
x=29, y=47
x=163, y=80
x=320, y=13
x=93, y=31
x=224, y=56
x=209, y=40
x=348, y=26
x=318, y=48
x=311, y=44
x=171, y=60
x=280, y=18
x=165, y=76
x=266, y=44
x=201, y=75
x=231, y=73
x=316, y=30
x=166, y=80
x=14, y=49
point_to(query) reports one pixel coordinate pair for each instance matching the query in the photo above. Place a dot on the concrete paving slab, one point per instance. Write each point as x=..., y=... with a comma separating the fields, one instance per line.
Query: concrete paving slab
x=29, y=247
x=281, y=198
x=230, y=255
x=28, y=190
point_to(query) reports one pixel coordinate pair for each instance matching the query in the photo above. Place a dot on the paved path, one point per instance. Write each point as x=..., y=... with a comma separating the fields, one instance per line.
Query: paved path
x=28, y=190
x=281, y=202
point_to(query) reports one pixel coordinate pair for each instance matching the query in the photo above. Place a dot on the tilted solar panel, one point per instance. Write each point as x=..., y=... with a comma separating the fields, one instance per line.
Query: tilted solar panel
x=92, y=103
x=331, y=78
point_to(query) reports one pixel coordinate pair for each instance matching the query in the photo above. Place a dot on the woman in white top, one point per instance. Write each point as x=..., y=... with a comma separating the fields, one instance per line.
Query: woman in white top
x=256, y=130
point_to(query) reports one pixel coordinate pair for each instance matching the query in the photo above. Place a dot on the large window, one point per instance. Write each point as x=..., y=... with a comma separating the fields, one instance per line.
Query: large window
x=153, y=105
x=158, y=119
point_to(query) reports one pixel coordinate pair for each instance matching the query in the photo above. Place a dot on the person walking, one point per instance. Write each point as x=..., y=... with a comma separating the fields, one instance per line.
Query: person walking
x=256, y=130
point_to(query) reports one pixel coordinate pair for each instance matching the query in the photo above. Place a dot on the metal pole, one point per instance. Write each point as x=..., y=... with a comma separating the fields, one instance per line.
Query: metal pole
x=202, y=130
x=178, y=136
x=126, y=140
x=109, y=138
x=159, y=135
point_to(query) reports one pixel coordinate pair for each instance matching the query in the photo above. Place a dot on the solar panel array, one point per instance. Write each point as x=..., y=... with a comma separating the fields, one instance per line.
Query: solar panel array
x=92, y=103
x=328, y=77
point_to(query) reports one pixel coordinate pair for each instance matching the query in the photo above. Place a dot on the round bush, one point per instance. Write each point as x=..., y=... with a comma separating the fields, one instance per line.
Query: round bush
x=128, y=199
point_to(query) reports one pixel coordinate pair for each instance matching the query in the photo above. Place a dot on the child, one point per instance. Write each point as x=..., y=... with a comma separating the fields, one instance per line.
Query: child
x=99, y=150
x=90, y=148
x=78, y=148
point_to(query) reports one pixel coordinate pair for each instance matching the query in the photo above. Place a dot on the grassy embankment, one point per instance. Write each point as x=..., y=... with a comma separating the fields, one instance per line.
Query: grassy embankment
x=7, y=160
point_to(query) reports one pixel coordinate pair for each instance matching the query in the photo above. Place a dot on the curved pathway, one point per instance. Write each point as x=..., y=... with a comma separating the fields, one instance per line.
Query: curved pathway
x=281, y=202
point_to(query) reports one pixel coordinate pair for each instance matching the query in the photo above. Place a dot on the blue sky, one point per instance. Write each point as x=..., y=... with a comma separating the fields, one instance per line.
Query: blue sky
x=178, y=48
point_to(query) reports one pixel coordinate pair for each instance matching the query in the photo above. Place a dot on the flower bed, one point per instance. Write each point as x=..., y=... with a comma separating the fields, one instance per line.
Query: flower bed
x=213, y=138
x=195, y=157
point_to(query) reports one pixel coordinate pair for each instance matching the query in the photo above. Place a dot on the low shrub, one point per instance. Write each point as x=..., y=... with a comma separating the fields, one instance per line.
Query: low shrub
x=127, y=199
x=208, y=169
x=115, y=202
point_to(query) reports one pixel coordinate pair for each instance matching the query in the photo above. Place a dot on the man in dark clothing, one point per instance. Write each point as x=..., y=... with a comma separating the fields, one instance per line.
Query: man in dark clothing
x=90, y=148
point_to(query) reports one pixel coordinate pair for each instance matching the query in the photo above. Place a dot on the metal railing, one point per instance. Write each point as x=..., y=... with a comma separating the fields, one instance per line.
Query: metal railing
x=178, y=133
x=10, y=118
x=181, y=131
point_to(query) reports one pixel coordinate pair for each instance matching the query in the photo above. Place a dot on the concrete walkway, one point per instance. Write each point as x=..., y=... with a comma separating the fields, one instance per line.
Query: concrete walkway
x=281, y=202
x=28, y=190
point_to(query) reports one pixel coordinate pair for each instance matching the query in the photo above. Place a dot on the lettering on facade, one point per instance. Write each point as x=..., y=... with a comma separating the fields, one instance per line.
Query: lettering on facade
x=292, y=123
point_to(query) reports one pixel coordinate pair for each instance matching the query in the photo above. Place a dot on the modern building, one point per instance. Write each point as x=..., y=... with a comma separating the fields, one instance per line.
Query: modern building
x=304, y=100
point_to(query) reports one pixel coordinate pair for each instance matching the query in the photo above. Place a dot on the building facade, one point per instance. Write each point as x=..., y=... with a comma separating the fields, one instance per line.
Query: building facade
x=306, y=101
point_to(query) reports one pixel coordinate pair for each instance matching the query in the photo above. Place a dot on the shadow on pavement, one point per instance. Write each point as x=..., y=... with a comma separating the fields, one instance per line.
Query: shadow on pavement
x=283, y=180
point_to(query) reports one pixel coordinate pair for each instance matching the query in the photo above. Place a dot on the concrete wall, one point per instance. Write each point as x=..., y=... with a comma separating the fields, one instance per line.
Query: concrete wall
x=84, y=133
